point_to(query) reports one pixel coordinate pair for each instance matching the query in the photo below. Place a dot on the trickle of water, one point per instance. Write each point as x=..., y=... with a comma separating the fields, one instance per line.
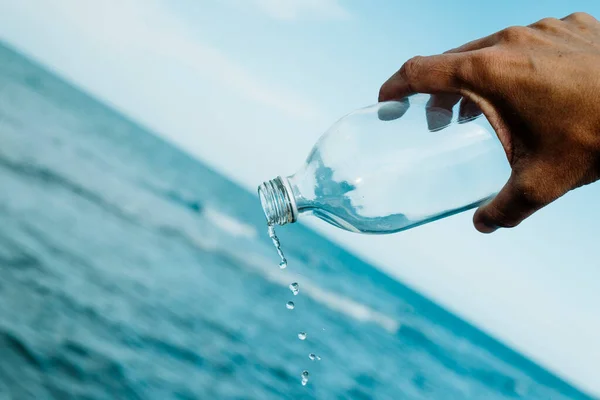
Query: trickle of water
x=277, y=245
x=294, y=287
x=304, y=377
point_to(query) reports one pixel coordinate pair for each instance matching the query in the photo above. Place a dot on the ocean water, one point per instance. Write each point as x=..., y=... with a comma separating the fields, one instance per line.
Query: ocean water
x=129, y=270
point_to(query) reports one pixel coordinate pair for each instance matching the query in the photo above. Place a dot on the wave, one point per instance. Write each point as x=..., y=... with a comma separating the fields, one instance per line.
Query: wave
x=20, y=347
x=61, y=368
x=48, y=176
x=223, y=221
x=226, y=223
x=495, y=380
x=178, y=198
x=231, y=225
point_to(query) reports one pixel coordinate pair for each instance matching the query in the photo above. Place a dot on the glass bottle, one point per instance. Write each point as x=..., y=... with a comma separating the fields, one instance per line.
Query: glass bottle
x=393, y=166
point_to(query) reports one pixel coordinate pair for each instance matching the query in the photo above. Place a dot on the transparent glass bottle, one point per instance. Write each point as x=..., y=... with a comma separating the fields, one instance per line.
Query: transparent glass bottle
x=393, y=166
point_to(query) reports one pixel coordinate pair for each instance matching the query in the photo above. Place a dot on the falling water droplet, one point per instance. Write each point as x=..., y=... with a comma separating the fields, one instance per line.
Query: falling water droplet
x=290, y=305
x=302, y=336
x=304, y=377
x=294, y=287
x=277, y=245
x=314, y=357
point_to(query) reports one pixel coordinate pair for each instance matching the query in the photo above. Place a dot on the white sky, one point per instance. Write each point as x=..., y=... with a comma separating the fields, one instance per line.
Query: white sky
x=248, y=86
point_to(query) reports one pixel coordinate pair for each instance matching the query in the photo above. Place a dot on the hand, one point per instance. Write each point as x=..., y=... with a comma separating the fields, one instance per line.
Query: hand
x=539, y=87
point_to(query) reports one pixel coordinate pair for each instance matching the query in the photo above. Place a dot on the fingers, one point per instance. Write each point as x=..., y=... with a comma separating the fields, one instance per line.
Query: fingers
x=434, y=74
x=440, y=75
x=448, y=72
x=439, y=107
x=506, y=210
x=439, y=110
x=392, y=110
x=468, y=110
x=525, y=193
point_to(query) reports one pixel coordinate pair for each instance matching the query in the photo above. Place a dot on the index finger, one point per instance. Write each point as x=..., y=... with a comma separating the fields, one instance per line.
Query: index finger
x=444, y=73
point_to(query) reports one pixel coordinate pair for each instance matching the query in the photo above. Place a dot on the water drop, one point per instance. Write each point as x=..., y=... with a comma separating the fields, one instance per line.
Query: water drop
x=290, y=305
x=314, y=357
x=304, y=377
x=302, y=336
x=283, y=265
x=294, y=287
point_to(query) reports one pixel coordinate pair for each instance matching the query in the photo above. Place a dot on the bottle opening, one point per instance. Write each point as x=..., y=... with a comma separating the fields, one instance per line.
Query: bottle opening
x=277, y=202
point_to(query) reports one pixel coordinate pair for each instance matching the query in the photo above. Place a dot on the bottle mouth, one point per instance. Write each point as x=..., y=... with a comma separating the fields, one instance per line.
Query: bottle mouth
x=277, y=202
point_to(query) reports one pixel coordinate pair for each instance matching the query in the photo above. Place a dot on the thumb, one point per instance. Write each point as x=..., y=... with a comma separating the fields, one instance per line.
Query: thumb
x=514, y=203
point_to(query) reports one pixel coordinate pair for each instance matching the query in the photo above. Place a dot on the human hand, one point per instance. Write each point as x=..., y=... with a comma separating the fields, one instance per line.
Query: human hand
x=539, y=87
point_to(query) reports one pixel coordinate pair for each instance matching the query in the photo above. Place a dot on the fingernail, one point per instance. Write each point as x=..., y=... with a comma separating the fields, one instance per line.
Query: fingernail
x=484, y=227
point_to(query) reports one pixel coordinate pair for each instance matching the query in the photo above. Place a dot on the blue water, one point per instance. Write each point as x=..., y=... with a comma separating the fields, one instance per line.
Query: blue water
x=129, y=270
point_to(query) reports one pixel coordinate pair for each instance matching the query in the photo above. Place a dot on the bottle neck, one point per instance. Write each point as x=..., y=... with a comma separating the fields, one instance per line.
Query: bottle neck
x=278, y=201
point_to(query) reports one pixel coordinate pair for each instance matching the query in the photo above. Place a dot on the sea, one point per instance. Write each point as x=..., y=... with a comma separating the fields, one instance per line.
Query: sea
x=131, y=270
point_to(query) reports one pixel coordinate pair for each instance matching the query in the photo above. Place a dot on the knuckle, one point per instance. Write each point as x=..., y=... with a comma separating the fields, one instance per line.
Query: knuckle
x=514, y=34
x=530, y=192
x=527, y=193
x=580, y=17
x=547, y=24
x=410, y=70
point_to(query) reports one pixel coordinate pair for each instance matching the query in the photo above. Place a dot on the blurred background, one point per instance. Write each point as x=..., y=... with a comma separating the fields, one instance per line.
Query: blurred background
x=134, y=257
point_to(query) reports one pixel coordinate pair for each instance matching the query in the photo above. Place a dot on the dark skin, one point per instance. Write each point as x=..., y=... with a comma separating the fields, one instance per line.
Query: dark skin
x=539, y=87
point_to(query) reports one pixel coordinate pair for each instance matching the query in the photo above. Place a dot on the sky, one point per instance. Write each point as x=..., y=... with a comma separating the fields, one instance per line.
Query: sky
x=248, y=86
